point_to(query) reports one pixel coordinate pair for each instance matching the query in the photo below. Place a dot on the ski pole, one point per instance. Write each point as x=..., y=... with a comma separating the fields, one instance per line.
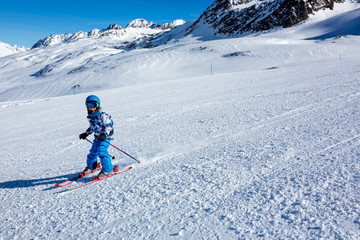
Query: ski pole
x=112, y=157
x=124, y=152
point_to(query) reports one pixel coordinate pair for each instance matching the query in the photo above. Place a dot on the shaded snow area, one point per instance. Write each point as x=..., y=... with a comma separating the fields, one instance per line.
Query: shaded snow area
x=267, y=147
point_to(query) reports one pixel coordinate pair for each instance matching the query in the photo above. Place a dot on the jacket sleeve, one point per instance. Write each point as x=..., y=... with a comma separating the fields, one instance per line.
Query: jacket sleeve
x=90, y=130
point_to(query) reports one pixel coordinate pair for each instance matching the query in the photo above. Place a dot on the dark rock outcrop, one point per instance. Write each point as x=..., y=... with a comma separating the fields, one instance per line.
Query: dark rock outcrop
x=233, y=17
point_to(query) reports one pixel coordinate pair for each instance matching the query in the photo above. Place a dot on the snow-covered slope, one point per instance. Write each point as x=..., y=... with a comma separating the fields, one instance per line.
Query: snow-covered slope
x=6, y=49
x=244, y=138
x=266, y=147
x=103, y=63
x=344, y=19
x=350, y=22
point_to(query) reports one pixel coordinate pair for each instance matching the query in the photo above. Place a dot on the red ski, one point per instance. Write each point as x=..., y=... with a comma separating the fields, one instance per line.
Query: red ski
x=97, y=180
x=71, y=180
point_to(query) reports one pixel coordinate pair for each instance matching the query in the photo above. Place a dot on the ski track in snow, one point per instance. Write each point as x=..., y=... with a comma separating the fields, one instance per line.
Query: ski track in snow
x=246, y=153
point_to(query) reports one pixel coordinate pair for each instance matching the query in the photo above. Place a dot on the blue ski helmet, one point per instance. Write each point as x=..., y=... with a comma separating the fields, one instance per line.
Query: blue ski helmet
x=92, y=98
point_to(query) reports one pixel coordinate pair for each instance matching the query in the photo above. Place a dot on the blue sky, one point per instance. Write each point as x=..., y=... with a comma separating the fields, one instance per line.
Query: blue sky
x=24, y=22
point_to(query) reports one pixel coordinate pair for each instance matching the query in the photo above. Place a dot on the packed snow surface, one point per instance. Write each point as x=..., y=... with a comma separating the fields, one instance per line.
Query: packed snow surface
x=243, y=138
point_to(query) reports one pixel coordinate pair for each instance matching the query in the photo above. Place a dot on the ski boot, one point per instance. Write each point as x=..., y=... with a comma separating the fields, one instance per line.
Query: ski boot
x=87, y=171
x=103, y=174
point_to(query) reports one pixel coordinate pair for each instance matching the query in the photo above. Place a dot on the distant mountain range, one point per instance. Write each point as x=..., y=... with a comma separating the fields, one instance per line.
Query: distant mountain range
x=139, y=28
x=231, y=18
x=59, y=64
x=6, y=49
x=221, y=19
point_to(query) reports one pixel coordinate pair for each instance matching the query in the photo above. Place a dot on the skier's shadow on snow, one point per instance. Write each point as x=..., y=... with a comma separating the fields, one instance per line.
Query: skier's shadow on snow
x=35, y=182
x=41, y=181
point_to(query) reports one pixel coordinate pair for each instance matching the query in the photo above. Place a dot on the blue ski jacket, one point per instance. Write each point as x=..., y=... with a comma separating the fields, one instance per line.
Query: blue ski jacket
x=100, y=122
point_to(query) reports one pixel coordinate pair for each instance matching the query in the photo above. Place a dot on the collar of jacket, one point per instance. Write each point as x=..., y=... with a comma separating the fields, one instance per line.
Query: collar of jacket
x=95, y=114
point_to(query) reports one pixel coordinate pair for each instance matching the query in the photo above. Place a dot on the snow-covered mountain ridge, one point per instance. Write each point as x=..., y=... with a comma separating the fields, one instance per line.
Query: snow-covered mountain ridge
x=234, y=17
x=227, y=18
x=138, y=28
x=67, y=60
x=6, y=49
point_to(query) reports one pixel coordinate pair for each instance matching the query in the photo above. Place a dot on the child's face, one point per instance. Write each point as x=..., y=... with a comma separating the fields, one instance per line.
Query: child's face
x=92, y=109
x=91, y=106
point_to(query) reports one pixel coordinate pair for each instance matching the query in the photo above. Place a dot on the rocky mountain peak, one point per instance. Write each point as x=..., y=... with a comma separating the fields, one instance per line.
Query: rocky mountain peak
x=233, y=17
x=142, y=28
x=141, y=23
x=114, y=27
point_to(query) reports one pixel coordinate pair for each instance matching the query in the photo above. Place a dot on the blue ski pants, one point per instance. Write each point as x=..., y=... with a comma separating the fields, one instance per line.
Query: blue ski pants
x=99, y=149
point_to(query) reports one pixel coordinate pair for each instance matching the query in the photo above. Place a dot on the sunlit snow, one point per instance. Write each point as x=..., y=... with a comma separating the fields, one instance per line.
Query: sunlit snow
x=244, y=138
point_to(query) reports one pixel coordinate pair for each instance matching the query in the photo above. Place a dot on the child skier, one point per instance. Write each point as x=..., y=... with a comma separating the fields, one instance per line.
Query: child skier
x=102, y=127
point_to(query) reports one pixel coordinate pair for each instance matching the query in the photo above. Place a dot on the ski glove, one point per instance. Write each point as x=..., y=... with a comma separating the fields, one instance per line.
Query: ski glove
x=83, y=136
x=102, y=137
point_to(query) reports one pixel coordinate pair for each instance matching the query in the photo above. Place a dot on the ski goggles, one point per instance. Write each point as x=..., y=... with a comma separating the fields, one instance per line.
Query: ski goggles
x=92, y=105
